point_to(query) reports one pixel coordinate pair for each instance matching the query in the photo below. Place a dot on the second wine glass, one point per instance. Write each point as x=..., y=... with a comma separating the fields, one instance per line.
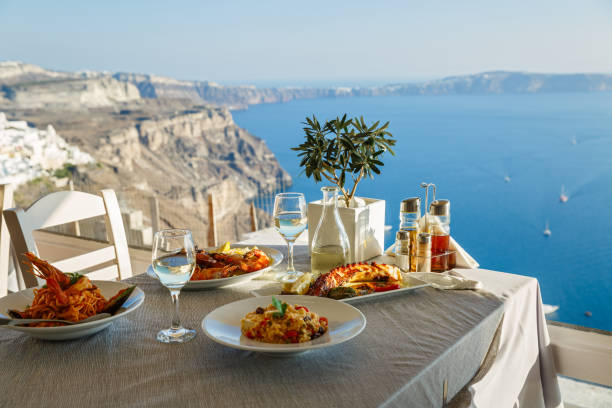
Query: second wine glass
x=174, y=262
x=290, y=221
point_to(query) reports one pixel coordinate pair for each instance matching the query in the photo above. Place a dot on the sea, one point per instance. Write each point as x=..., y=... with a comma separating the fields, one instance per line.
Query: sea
x=502, y=161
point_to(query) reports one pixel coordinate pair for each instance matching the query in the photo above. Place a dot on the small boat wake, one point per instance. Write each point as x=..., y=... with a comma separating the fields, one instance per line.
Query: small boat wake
x=563, y=197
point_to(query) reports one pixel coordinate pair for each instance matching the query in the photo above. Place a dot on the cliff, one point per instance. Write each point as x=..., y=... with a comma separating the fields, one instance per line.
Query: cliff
x=168, y=144
x=484, y=83
x=29, y=86
x=69, y=94
x=178, y=155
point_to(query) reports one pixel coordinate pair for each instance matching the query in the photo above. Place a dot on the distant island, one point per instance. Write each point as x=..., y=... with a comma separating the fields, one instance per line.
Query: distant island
x=19, y=82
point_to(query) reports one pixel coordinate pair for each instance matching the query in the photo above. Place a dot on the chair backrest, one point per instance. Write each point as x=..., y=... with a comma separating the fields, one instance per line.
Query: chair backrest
x=6, y=201
x=64, y=207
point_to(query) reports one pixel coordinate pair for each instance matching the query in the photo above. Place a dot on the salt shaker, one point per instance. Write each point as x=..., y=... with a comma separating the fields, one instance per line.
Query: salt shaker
x=402, y=250
x=424, y=253
x=410, y=213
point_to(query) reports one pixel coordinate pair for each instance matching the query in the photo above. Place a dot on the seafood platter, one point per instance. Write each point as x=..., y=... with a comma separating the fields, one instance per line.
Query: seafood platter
x=229, y=264
x=349, y=283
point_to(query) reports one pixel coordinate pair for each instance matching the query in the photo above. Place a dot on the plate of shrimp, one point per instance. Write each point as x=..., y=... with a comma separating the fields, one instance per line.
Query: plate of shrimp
x=68, y=296
x=229, y=265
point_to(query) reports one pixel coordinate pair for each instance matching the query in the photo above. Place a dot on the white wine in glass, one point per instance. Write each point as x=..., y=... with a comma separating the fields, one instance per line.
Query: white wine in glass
x=290, y=221
x=174, y=262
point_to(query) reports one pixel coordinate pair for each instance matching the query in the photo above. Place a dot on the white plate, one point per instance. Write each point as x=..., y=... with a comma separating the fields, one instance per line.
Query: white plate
x=275, y=256
x=20, y=300
x=408, y=284
x=223, y=324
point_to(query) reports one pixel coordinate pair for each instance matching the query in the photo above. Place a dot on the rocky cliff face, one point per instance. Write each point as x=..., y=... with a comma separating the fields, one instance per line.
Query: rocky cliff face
x=200, y=148
x=167, y=144
x=178, y=155
x=69, y=94
x=13, y=72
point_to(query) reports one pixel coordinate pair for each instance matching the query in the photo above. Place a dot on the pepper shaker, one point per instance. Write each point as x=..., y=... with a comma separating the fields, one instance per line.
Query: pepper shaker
x=424, y=253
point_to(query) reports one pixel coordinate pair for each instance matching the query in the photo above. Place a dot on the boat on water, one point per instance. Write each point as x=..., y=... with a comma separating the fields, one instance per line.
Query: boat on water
x=574, y=142
x=548, y=309
x=547, y=231
x=507, y=179
x=563, y=197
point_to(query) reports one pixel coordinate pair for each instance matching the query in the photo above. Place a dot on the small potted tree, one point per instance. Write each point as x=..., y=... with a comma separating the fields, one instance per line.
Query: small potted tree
x=348, y=150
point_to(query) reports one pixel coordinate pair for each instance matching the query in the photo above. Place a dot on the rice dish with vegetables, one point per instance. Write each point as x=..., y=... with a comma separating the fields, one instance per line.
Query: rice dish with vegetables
x=283, y=323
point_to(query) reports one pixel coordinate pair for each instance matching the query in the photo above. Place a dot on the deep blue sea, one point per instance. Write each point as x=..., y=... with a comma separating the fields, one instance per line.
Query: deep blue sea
x=467, y=146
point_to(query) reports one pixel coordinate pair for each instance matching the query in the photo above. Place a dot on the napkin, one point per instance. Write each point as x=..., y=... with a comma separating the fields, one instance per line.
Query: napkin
x=451, y=280
x=464, y=260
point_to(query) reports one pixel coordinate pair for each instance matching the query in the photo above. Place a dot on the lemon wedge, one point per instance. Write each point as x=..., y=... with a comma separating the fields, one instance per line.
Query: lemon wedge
x=300, y=286
x=222, y=249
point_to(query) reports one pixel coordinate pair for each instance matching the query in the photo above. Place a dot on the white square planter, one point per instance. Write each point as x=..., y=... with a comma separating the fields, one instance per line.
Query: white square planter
x=365, y=227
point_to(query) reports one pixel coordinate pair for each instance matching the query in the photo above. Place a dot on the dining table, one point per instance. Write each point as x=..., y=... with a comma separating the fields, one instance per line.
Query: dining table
x=421, y=348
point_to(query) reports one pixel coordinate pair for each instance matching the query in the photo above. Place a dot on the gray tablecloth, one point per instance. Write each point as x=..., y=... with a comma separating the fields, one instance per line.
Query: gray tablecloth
x=411, y=345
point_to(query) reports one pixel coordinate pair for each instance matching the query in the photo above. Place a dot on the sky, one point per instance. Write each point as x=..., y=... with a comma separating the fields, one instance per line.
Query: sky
x=309, y=42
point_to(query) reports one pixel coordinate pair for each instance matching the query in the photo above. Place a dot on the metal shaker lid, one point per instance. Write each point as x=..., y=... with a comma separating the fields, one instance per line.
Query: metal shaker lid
x=424, y=238
x=411, y=205
x=440, y=207
x=402, y=235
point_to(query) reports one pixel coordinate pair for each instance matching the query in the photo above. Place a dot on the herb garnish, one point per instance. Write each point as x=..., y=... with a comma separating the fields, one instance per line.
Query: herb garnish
x=280, y=306
x=74, y=277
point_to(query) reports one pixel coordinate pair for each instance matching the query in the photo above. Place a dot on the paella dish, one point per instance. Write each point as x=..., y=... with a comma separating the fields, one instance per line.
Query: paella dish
x=283, y=323
x=226, y=262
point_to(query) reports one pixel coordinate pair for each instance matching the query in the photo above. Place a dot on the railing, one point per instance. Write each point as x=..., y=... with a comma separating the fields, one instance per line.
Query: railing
x=264, y=200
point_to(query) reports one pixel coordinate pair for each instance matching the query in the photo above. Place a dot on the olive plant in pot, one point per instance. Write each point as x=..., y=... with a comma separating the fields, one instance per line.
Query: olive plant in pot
x=343, y=152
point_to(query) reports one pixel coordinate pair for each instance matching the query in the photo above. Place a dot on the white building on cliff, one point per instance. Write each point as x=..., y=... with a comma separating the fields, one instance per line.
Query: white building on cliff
x=27, y=152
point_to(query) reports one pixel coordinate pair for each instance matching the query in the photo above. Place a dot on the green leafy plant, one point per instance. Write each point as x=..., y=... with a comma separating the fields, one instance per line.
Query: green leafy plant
x=344, y=148
x=65, y=171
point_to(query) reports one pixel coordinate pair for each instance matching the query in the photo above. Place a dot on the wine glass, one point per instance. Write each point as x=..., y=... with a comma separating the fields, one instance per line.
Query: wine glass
x=174, y=262
x=290, y=221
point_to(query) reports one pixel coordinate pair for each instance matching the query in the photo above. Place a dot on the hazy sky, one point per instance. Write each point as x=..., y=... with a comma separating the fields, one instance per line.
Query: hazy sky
x=309, y=41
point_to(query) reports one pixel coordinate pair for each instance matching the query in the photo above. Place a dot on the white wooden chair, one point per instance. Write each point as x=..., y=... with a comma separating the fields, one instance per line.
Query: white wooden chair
x=64, y=207
x=6, y=201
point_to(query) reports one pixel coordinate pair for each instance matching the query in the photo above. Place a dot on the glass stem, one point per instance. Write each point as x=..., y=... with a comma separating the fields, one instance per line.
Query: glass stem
x=176, y=320
x=290, y=267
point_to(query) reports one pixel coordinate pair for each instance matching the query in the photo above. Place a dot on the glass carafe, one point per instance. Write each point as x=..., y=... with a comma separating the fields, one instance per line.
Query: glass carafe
x=330, y=244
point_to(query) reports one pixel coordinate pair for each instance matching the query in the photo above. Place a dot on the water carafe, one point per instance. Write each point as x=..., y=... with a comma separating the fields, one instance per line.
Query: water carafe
x=330, y=244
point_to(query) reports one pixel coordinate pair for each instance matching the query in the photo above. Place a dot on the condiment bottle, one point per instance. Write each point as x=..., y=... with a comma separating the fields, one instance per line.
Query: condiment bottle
x=424, y=253
x=439, y=212
x=410, y=213
x=402, y=250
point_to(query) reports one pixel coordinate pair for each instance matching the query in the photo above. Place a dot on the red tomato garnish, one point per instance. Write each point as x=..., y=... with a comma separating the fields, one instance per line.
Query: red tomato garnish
x=323, y=319
x=387, y=288
x=302, y=307
x=290, y=333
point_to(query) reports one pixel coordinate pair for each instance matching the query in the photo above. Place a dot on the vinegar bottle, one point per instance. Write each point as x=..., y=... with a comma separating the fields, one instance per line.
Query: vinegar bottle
x=439, y=211
x=330, y=244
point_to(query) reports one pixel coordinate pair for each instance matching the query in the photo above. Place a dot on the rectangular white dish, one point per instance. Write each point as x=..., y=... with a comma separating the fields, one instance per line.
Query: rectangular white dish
x=408, y=284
